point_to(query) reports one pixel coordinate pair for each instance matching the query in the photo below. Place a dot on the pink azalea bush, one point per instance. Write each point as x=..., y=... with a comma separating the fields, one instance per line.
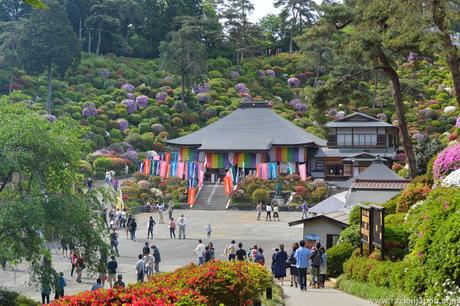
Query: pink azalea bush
x=447, y=161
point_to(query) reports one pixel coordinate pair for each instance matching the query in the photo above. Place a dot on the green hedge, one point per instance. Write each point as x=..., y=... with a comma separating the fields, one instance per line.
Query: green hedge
x=13, y=298
x=103, y=164
x=336, y=256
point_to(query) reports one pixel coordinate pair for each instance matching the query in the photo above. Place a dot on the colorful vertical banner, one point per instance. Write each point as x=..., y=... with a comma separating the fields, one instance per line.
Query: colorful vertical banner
x=228, y=185
x=180, y=170
x=273, y=170
x=201, y=170
x=216, y=160
x=303, y=171
x=187, y=154
x=163, y=169
x=191, y=196
x=288, y=154
x=173, y=169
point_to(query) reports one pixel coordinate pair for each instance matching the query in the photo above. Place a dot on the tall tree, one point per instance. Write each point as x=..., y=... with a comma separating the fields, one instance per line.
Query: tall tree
x=185, y=53
x=298, y=14
x=78, y=12
x=47, y=42
x=39, y=201
x=274, y=31
x=245, y=36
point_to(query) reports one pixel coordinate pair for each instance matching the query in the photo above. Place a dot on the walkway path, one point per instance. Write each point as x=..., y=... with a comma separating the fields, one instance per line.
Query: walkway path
x=321, y=297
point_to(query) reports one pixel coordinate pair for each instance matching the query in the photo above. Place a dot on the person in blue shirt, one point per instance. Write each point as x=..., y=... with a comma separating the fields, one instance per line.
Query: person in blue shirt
x=302, y=256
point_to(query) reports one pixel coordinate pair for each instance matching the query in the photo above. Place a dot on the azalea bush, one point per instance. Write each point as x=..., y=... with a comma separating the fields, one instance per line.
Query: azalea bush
x=215, y=283
x=447, y=161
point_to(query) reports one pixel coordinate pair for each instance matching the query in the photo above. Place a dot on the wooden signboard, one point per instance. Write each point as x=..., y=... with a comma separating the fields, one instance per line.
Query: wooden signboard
x=372, y=227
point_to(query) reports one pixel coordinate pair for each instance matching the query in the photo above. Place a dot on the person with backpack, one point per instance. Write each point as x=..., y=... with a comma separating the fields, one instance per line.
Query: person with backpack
x=316, y=260
x=292, y=265
x=114, y=242
x=259, y=258
x=230, y=250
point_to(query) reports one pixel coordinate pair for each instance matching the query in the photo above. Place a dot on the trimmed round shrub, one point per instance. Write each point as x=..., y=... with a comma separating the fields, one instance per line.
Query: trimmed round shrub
x=336, y=257
x=260, y=195
x=103, y=164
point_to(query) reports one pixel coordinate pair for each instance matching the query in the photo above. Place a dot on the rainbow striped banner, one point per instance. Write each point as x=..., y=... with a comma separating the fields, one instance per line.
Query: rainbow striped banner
x=187, y=153
x=217, y=161
x=287, y=154
x=247, y=160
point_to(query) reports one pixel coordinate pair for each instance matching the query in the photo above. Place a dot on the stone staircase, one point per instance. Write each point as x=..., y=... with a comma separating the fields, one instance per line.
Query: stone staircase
x=218, y=201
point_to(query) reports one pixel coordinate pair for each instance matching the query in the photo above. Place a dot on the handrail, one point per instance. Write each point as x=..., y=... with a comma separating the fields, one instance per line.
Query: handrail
x=208, y=202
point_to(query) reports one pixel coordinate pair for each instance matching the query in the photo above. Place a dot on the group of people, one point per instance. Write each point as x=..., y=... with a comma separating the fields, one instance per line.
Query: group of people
x=204, y=253
x=269, y=209
x=148, y=262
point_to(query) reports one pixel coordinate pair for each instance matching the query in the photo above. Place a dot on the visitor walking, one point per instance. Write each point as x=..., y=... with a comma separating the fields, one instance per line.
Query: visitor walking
x=182, y=222
x=254, y=252
x=304, y=210
x=123, y=218
x=268, y=208
x=73, y=261
x=45, y=292
x=60, y=284
x=292, y=263
x=114, y=242
x=207, y=254
x=102, y=270
x=157, y=257
x=172, y=228
x=259, y=210
x=199, y=252
x=97, y=285
x=208, y=231
x=170, y=211
x=315, y=258
x=276, y=215
x=161, y=210
x=230, y=250
x=133, y=228
x=240, y=253
x=112, y=267
x=140, y=269
x=80, y=267
x=128, y=224
x=323, y=268
x=150, y=226
x=89, y=184
x=149, y=263
x=302, y=256
x=212, y=251
x=146, y=248
x=259, y=258
x=119, y=283
x=279, y=264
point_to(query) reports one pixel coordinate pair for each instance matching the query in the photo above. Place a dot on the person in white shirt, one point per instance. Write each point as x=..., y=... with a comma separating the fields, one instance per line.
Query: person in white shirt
x=199, y=251
x=182, y=222
x=268, y=208
x=230, y=250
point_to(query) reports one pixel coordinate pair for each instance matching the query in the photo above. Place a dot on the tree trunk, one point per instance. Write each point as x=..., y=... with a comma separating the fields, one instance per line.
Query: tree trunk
x=89, y=41
x=99, y=36
x=318, y=68
x=238, y=61
x=399, y=105
x=439, y=13
x=182, y=88
x=80, y=29
x=290, y=42
x=48, y=100
x=374, y=97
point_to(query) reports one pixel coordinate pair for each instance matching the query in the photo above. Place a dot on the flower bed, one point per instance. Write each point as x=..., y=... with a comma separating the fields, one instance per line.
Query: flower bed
x=215, y=283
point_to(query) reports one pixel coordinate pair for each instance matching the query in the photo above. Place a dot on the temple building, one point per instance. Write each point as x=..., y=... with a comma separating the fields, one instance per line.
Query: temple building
x=254, y=140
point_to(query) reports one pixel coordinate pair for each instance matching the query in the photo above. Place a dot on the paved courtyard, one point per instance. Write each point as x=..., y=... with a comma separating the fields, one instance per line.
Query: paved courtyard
x=227, y=225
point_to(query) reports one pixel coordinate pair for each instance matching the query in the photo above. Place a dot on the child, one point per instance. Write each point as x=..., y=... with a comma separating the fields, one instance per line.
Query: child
x=208, y=231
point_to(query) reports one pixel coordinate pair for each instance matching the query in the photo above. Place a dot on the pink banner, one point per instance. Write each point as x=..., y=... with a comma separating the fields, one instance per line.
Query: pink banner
x=163, y=169
x=180, y=170
x=201, y=170
x=303, y=171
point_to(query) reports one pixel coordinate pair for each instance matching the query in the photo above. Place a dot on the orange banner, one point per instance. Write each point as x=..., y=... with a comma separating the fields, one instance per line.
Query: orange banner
x=191, y=196
x=228, y=185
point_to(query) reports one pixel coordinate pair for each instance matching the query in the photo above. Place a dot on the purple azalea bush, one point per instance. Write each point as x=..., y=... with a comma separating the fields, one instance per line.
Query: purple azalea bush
x=142, y=102
x=122, y=124
x=202, y=88
x=130, y=96
x=419, y=137
x=293, y=82
x=271, y=73
x=412, y=57
x=234, y=75
x=260, y=74
x=447, y=161
x=457, y=123
x=104, y=73
x=130, y=105
x=294, y=101
x=130, y=154
x=241, y=88
x=301, y=108
x=50, y=118
x=89, y=111
x=161, y=96
x=340, y=115
x=202, y=97
x=128, y=87
x=157, y=128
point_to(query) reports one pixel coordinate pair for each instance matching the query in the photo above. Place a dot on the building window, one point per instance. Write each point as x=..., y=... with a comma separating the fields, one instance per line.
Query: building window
x=390, y=140
x=319, y=165
x=331, y=240
x=334, y=170
x=344, y=139
x=365, y=139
